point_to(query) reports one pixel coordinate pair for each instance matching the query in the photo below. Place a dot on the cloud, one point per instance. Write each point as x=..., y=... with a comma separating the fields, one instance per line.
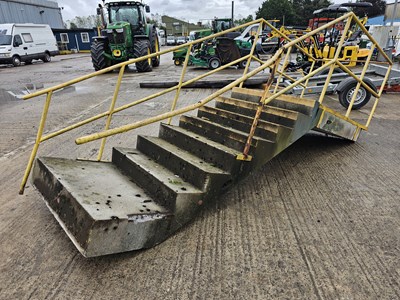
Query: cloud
x=189, y=10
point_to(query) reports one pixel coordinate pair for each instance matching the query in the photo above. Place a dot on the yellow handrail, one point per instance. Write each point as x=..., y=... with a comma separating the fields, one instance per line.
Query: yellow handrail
x=272, y=62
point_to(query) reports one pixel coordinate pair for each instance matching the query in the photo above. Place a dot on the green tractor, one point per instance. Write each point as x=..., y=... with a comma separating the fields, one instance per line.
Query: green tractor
x=126, y=35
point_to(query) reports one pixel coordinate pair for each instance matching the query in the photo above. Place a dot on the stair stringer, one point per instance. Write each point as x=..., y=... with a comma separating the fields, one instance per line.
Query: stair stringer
x=174, y=208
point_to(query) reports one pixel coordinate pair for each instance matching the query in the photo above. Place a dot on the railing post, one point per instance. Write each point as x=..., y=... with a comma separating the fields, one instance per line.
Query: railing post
x=253, y=47
x=178, y=90
x=37, y=143
x=361, y=78
x=111, y=110
x=308, y=79
x=283, y=68
x=336, y=58
x=245, y=154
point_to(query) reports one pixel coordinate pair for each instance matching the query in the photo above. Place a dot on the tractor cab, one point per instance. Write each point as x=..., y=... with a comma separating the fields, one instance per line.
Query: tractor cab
x=125, y=35
x=129, y=12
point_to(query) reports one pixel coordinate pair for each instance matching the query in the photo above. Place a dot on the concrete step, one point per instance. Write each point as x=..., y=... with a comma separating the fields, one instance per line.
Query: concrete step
x=270, y=114
x=181, y=198
x=230, y=137
x=266, y=130
x=101, y=210
x=302, y=105
x=185, y=165
x=212, y=152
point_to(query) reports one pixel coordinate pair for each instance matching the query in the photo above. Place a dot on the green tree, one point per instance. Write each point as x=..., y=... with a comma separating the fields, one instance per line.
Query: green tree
x=249, y=18
x=305, y=9
x=277, y=9
x=85, y=22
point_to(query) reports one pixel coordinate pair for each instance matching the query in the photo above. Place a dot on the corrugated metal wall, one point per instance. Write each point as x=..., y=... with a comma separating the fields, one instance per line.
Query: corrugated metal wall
x=31, y=11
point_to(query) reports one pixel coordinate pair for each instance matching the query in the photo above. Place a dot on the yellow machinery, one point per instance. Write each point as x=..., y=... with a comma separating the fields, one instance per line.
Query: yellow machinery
x=144, y=194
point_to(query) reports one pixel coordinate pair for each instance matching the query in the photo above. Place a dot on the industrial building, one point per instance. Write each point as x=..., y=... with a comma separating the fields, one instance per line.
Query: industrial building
x=178, y=27
x=31, y=11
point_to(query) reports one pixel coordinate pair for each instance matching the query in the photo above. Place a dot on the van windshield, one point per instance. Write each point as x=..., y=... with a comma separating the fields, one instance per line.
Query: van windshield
x=4, y=38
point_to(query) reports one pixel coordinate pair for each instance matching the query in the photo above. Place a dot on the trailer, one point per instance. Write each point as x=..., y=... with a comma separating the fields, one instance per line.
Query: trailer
x=344, y=85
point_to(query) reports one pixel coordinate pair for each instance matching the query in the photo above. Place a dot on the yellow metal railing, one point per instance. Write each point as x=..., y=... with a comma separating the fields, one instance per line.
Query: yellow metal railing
x=273, y=62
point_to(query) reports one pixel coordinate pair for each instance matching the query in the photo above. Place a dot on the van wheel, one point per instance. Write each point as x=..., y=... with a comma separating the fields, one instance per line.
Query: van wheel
x=16, y=61
x=46, y=58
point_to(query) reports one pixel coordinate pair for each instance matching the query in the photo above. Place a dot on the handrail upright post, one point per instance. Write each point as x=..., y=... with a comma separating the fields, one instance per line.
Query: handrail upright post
x=37, y=142
x=360, y=79
x=245, y=154
x=111, y=111
x=283, y=68
x=379, y=93
x=335, y=58
x=253, y=47
x=178, y=90
x=308, y=79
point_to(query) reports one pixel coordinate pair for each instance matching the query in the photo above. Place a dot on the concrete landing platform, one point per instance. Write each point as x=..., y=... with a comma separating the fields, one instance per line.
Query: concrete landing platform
x=100, y=209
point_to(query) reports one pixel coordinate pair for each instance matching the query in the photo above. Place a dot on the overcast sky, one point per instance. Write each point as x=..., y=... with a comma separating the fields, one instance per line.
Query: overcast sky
x=189, y=10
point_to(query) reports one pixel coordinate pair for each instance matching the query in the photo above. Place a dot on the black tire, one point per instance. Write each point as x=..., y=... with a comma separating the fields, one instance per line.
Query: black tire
x=346, y=93
x=214, y=63
x=326, y=71
x=16, y=61
x=97, y=51
x=243, y=64
x=142, y=48
x=155, y=47
x=177, y=62
x=46, y=57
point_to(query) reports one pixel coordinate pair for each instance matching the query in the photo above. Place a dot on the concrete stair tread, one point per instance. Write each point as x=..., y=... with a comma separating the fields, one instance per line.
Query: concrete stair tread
x=285, y=98
x=204, y=140
x=281, y=112
x=243, y=134
x=101, y=189
x=162, y=174
x=270, y=126
x=187, y=156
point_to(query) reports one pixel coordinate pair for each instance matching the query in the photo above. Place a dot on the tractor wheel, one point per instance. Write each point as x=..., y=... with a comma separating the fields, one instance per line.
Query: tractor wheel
x=177, y=62
x=347, y=92
x=214, y=63
x=155, y=47
x=97, y=51
x=16, y=61
x=142, y=48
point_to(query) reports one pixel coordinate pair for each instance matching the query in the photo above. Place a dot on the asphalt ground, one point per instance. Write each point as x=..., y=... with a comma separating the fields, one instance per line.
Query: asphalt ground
x=319, y=221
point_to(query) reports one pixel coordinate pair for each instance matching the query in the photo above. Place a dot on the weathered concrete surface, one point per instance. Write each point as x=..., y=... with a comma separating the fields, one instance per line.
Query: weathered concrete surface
x=320, y=221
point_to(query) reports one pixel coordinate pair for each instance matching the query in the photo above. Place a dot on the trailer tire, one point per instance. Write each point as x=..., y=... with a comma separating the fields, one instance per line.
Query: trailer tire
x=346, y=93
x=97, y=51
x=142, y=48
x=16, y=61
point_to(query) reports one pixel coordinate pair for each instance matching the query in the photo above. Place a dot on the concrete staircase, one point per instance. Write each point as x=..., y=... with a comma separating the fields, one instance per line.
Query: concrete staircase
x=145, y=194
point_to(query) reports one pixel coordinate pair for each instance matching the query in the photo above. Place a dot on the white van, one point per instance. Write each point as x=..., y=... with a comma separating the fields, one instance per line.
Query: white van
x=26, y=42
